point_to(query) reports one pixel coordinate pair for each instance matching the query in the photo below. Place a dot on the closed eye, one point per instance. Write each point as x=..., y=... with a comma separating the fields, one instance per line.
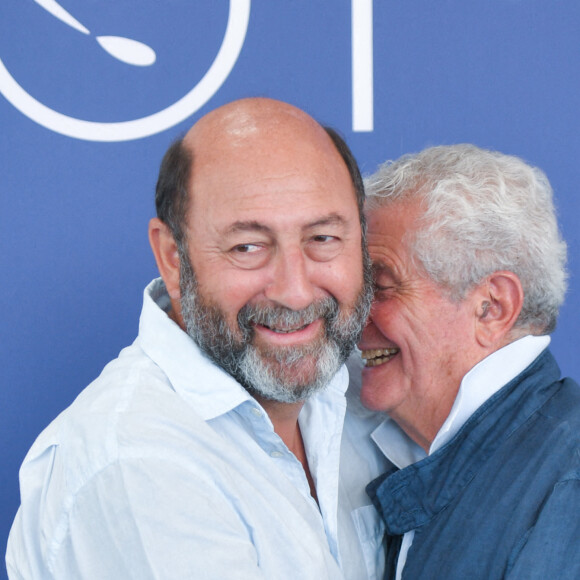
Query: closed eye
x=384, y=282
x=383, y=293
x=379, y=288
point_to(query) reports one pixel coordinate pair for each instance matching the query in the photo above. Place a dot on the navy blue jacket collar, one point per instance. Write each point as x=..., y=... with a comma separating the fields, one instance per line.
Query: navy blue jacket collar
x=411, y=497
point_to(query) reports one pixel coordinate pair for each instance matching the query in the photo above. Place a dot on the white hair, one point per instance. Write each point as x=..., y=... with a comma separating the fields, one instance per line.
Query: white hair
x=482, y=212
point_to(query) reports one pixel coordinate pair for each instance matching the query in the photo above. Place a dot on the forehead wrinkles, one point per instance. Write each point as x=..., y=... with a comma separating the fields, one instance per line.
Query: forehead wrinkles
x=243, y=159
x=397, y=261
x=308, y=189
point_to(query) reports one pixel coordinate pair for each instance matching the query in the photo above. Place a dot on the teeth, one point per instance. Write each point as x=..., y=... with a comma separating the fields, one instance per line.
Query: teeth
x=378, y=356
x=367, y=354
x=286, y=330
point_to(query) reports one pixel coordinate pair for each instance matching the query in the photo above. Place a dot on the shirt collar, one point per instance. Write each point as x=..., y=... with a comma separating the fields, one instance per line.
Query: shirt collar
x=478, y=385
x=200, y=382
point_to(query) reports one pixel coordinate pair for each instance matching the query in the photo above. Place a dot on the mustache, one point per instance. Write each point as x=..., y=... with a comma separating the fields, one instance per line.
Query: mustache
x=276, y=316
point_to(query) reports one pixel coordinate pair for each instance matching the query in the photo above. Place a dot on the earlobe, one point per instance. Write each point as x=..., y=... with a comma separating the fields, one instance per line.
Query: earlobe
x=166, y=255
x=499, y=301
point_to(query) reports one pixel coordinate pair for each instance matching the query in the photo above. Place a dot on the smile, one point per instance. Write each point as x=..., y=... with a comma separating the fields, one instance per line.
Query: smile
x=285, y=330
x=288, y=333
x=378, y=356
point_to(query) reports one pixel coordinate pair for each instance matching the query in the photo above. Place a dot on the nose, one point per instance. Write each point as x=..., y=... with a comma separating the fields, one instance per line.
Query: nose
x=291, y=285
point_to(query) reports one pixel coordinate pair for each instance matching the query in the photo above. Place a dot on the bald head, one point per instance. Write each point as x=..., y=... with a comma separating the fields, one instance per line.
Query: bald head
x=259, y=136
x=253, y=121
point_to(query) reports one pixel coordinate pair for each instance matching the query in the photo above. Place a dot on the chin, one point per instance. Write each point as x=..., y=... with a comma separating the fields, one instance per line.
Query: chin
x=377, y=395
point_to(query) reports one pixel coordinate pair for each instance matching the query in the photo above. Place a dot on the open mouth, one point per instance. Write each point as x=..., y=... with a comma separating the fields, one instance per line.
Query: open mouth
x=285, y=330
x=378, y=356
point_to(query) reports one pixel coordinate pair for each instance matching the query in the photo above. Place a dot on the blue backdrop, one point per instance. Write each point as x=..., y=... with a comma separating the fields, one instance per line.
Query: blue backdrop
x=93, y=91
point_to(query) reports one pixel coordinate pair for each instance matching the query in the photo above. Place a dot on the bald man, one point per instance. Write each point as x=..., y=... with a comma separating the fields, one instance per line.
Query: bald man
x=219, y=444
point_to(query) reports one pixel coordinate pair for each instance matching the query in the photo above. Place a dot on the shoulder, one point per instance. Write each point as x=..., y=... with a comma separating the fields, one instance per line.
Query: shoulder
x=562, y=409
x=131, y=409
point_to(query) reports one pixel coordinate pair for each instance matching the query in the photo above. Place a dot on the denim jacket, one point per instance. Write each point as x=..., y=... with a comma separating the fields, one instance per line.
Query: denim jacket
x=502, y=499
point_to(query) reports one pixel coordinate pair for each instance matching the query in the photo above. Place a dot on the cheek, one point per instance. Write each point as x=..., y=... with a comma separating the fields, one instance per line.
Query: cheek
x=383, y=388
x=240, y=288
x=385, y=314
x=343, y=280
x=344, y=272
x=371, y=334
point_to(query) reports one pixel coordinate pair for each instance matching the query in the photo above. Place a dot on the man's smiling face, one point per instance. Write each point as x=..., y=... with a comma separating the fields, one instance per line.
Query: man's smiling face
x=274, y=241
x=418, y=343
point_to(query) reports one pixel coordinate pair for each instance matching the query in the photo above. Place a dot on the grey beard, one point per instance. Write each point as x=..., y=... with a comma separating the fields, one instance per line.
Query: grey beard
x=283, y=374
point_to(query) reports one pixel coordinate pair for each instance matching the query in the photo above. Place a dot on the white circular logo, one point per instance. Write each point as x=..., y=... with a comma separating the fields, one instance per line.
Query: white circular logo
x=137, y=54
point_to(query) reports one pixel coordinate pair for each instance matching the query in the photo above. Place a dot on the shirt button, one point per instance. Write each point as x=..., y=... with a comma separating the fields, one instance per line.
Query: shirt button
x=276, y=454
x=256, y=412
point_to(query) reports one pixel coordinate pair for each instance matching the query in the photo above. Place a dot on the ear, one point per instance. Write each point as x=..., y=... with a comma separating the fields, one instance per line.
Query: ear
x=166, y=255
x=498, y=300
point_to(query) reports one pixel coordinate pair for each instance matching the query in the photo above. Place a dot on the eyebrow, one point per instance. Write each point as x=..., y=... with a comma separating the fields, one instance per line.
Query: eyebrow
x=248, y=226
x=255, y=226
x=330, y=220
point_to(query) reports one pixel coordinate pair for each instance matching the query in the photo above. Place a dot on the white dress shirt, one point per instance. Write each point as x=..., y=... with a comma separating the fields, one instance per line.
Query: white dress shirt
x=166, y=468
x=477, y=386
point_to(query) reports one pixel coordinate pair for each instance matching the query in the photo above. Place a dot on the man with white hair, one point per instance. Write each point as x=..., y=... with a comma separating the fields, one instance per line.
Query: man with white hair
x=483, y=435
